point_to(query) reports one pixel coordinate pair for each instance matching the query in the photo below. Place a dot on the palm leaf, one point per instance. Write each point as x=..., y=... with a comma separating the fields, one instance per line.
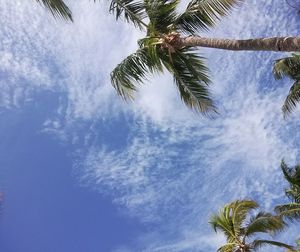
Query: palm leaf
x=287, y=67
x=203, y=14
x=257, y=244
x=290, y=211
x=221, y=223
x=162, y=15
x=289, y=174
x=191, y=78
x=292, y=99
x=292, y=175
x=133, y=11
x=58, y=8
x=229, y=247
x=265, y=223
x=240, y=209
x=131, y=71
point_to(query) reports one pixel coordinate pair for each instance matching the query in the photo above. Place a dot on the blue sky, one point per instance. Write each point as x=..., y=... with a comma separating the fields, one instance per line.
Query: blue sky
x=83, y=171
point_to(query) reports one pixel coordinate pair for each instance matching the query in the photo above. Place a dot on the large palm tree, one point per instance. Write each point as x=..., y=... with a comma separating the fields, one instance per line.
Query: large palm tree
x=289, y=67
x=58, y=8
x=236, y=223
x=291, y=210
x=170, y=43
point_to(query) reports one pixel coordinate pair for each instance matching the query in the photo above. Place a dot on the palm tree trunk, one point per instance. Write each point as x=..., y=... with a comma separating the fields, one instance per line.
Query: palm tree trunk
x=283, y=44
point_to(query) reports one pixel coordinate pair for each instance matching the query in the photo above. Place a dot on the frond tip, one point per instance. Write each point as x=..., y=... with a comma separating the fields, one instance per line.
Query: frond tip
x=264, y=223
x=256, y=244
x=203, y=14
x=133, y=11
x=289, y=211
x=58, y=8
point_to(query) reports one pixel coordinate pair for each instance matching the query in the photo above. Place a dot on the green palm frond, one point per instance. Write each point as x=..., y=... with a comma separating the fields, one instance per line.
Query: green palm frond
x=292, y=175
x=223, y=224
x=292, y=99
x=229, y=247
x=240, y=209
x=130, y=72
x=287, y=67
x=203, y=14
x=191, y=78
x=132, y=10
x=58, y=8
x=289, y=211
x=265, y=223
x=162, y=15
x=257, y=244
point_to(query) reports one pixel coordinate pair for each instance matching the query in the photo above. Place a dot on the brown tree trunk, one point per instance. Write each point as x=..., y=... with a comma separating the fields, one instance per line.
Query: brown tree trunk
x=283, y=44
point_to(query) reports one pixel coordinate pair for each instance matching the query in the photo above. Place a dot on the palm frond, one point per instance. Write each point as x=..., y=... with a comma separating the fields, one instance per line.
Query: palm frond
x=289, y=211
x=132, y=10
x=265, y=223
x=288, y=173
x=58, y=8
x=162, y=14
x=221, y=223
x=229, y=247
x=292, y=99
x=257, y=244
x=130, y=72
x=287, y=67
x=292, y=175
x=240, y=209
x=191, y=78
x=203, y=14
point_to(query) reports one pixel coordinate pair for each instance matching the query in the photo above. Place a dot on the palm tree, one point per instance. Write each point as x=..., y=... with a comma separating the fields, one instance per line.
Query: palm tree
x=289, y=67
x=291, y=210
x=170, y=43
x=58, y=8
x=238, y=227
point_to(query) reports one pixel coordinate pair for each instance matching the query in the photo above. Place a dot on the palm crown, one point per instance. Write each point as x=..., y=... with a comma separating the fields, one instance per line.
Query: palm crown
x=236, y=223
x=159, y=51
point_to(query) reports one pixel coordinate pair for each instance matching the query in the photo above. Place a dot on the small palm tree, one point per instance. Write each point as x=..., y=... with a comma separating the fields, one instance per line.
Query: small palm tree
x=291, y=210
x=58, y=8
x=236, y=223
x=289, y=67
x=170, y=43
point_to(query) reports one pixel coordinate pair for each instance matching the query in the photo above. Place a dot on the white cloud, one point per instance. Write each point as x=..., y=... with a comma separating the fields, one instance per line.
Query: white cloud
x=40, y=52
